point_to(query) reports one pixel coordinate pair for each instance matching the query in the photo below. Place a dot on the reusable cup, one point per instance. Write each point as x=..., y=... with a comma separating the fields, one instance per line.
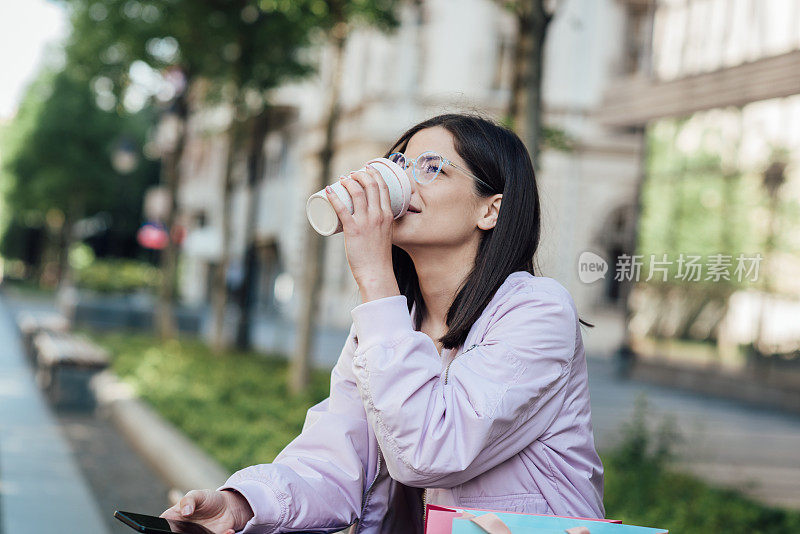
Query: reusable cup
x=323, y=217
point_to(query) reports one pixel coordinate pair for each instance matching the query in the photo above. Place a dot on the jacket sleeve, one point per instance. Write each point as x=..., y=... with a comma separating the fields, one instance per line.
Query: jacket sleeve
x=317, y=480
x=499, y=397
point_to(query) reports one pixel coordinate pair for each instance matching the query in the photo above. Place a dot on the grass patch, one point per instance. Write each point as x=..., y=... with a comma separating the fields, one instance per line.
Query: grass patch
x=28, y=289
x=236, y=407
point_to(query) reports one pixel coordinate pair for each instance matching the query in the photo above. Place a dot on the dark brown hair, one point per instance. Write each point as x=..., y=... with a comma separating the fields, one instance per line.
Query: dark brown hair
x=497, y=156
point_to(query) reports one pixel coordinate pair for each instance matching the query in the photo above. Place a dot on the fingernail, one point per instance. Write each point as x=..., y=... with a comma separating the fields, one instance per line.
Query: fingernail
x=187, y=510
x=328, y=188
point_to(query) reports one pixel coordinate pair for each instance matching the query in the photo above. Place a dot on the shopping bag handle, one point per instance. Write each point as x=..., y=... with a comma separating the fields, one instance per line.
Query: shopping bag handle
x=490, y=523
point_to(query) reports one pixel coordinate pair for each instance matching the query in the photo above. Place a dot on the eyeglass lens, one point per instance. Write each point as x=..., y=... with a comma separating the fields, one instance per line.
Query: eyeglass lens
x=427, y=166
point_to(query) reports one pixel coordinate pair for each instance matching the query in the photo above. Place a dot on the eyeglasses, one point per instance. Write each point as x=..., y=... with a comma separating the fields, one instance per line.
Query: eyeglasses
x=427, y=166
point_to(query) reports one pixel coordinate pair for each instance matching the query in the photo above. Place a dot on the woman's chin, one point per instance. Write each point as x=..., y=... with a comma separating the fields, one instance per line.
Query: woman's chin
x=404, y=229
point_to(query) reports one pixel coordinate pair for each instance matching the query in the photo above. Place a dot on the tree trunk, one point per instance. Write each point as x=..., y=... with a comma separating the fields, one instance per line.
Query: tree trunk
x=255, y=173
x=520, y=68
x=314, y=261
x=47, y=274
x=767, y=274
x=219, y=289
x=523, y=114
x=64, y=271
x=170, y=167
x=539, y=21
x=625, y=355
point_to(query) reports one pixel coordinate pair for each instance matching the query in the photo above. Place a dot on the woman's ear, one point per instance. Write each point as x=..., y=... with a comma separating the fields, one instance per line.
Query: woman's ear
x=490, y=208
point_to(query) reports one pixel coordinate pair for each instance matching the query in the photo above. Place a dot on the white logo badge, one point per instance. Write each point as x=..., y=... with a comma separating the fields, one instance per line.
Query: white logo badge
x=591, y=267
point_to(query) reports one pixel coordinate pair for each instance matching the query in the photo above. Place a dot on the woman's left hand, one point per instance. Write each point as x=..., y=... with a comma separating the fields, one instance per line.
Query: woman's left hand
x=368, y=232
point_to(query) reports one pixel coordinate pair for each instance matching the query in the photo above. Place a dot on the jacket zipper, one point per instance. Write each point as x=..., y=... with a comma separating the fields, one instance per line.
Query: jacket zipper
x=424, y=504
x=425, y=491
x=366, y=495
x=447, y=369
x=377, y=474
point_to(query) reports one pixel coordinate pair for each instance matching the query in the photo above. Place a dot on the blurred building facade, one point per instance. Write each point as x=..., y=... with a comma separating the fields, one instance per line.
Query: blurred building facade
x=434, y=63
x=725, y=75
x=611, y=68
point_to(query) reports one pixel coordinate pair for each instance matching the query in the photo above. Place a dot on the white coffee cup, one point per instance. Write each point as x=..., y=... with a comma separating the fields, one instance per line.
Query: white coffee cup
x=323, y=217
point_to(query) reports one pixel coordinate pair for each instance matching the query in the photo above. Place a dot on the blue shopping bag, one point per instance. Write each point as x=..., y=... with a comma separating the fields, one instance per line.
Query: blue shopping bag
x=541, y=524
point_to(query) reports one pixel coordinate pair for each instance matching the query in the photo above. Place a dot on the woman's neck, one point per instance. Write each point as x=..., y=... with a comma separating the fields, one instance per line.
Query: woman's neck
x=440, y=273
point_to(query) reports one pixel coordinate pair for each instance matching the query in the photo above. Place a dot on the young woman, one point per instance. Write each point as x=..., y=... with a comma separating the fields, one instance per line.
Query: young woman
x=463, y=379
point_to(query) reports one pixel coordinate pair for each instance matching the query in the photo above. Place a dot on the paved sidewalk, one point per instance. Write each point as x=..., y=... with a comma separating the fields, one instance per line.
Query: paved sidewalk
x=118, y=477
x=42, y=489
x=115, y=474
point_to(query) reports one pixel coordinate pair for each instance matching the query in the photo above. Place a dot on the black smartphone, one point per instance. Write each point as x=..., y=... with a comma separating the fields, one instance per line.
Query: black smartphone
x=150, y=524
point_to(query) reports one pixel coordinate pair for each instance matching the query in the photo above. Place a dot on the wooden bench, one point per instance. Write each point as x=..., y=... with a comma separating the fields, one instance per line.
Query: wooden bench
x=65, y=365
x=31, y=324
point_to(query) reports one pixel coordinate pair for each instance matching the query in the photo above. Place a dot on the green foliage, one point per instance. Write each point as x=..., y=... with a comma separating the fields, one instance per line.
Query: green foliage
x=235, y=406
x=552, y=137
x=206, y=38
x=81, y=256
x=696, y=201
x=557, y=138
x=239, y=47
x=5, y=218
x=641, y=488
x=117, y=276
x=54, y=163
x=59, y=151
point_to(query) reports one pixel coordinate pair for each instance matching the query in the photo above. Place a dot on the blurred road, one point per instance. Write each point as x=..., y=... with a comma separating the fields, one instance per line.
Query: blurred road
x=752, y=449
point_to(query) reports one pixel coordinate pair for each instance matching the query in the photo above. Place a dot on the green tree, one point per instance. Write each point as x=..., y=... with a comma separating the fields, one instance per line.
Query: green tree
x=238, y=48
x=242, y=48
x=698, y=201
x=59, y=164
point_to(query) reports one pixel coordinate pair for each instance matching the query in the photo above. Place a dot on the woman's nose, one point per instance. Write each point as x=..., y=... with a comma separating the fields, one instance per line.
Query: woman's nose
x=411, y=179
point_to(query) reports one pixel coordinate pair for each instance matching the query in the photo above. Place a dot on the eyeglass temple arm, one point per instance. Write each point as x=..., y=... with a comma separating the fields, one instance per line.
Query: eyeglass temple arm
x=465, y=171
x=459, y=167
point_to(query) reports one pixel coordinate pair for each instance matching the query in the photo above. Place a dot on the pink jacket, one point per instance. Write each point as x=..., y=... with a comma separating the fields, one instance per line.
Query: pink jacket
x=502, y=423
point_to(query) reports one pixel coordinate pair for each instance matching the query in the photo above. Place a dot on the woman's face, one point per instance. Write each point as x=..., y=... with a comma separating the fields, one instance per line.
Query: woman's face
x=449, y=206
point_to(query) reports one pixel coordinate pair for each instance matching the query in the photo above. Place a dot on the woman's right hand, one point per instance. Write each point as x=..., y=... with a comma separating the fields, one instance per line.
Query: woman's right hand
x=222, y=512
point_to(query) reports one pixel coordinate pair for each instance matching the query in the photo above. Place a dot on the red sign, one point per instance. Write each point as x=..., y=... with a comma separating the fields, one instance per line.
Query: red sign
x=153, y=236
